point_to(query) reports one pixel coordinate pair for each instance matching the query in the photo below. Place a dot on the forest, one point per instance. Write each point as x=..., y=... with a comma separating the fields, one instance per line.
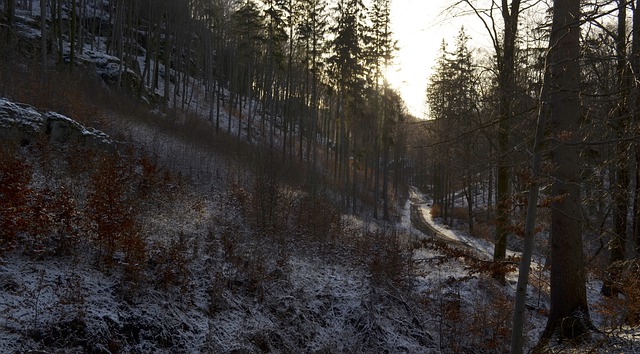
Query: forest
x=239, y=176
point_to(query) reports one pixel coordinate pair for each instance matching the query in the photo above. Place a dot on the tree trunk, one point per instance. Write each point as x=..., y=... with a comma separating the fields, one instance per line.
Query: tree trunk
x=506, y=75
x=635, y=63
x=621, y=183
x=43, y=37
x=569, y=312
x=10, y=9
x=72, y=34
x=530, y=222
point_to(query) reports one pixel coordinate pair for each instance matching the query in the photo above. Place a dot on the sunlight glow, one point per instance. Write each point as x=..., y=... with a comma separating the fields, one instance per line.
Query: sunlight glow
x=419, y=26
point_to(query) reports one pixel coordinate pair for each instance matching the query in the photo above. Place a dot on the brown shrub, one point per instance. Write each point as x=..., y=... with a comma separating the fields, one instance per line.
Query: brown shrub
x=482, y=325
x=461, y=213
x=482, y=231
x=15, y=193
x=109, y=209
x=318, y=219
x=623, y=309
x=390, y=258
x=170, y=264
x=436, y=210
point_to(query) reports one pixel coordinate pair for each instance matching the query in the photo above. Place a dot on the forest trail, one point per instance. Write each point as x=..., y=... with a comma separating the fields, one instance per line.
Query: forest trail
x=421, y=219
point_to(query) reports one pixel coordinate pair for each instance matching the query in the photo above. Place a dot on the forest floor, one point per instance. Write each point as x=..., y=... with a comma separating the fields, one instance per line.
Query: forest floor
x=613, y=334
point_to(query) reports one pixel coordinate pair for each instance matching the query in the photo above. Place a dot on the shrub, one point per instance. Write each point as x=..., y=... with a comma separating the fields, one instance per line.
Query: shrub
x=436, y=210
x=266, y=199
x=15, y=193
x=318, y=219
x=461, y=213
x=623, y=308
x=390, y=258
x=110, y=209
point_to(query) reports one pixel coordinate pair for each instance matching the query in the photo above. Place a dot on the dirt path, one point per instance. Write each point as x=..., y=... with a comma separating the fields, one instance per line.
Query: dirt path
x=419, y=221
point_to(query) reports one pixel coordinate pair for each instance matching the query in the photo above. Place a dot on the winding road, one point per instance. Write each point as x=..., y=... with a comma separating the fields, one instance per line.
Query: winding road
x=421, y=223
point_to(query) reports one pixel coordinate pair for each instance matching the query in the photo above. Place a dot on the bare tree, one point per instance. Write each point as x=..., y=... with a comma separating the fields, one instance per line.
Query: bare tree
x=504, y=45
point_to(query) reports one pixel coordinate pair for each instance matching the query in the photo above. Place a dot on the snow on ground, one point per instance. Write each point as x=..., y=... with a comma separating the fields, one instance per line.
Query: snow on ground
x=612, y=339
x=20, y=122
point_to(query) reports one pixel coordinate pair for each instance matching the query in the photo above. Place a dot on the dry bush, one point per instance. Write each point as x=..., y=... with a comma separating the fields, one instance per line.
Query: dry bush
x=250, y=263
x=436, y=210
x=624, y=306
x=271, y=203
x=46, y=217
x=265, y=200
x=389, y=257
x=384, y=253
x=15, y=176
x=66, y=222
x=489, y=322
x=238, y=197
x=169, y=263
x=611, y=309
x=461, y=213
x=631, y=290
x=110, y=210
x=481, y=325
x=318, y=219
x=483, y=231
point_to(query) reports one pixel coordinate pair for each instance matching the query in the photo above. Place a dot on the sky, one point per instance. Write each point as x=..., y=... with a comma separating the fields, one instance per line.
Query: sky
x=419, y=26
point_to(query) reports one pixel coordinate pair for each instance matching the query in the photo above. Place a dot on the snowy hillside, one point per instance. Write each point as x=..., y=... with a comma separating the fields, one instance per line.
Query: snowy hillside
x=215, y=177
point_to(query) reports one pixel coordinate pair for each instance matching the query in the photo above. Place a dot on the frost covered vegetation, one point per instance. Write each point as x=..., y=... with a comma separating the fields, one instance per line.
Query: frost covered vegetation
x=234, y=177
x=106, y=251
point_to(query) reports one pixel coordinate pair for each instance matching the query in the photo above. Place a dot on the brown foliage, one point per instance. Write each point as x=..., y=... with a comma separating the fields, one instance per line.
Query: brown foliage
x=111, y=211
x=481, y=323
x=318, y=218
x=390, y=259
x=623, y=308
x=170, y=264
x=461, y=213
x=436, y=210
x=15, y=192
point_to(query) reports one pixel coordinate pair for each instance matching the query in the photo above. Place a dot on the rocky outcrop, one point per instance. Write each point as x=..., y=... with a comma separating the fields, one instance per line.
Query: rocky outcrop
x=24, y=125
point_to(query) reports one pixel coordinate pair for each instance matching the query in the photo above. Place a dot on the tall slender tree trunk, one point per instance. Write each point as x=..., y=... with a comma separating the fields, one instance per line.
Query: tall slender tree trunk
x=621, y=170
x=10, y=11
x=59, y=31
x=635, y=64
x=385, y=179
x=72, y=34
x=506, y=75
x=530, y=222
x=43, y=36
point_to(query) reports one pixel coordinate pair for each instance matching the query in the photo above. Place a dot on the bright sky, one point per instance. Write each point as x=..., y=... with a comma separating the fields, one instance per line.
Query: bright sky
x=419, y=27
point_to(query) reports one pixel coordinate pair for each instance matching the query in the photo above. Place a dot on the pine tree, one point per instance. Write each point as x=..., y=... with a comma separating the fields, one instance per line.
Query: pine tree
x=348, y=75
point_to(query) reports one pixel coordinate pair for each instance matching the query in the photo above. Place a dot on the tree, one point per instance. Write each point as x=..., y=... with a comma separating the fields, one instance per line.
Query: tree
x=380, y=54
x=504, y=45
x=43, y=35
x=530, y=222
x=620, y=187
x=569, y=312
x=439, y=94
x=312, y=30
x=10, y=13
x=452, y=97
x=635, y=65
x=506, y=85
x=348, y=76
